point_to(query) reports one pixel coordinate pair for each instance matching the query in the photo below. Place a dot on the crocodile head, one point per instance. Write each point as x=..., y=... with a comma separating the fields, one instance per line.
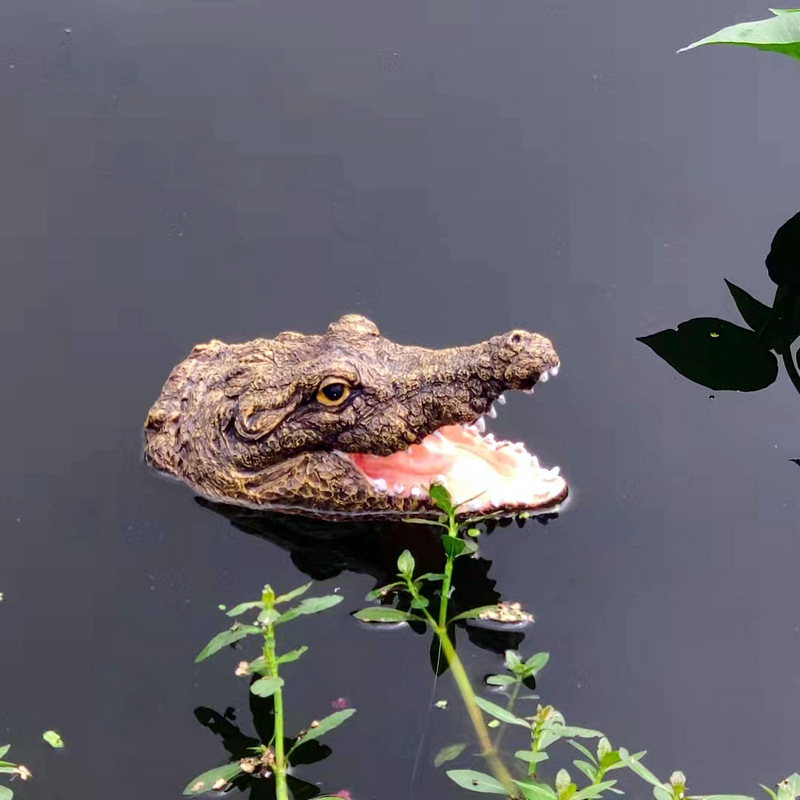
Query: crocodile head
x=350, y=423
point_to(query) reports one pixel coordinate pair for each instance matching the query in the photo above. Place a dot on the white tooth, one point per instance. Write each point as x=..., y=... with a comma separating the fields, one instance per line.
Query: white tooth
x=489, y=439
x=441, y=480
x=492, y=412
x=502, y=399
x=519, y=447
x=554, y=370
x=380, y=484
x=544, y=377
x=399, y=488
x=480, y=424
x=528, y=391
x=416, y=491
x=438, y=434
x=534, y=462
x=552, y=474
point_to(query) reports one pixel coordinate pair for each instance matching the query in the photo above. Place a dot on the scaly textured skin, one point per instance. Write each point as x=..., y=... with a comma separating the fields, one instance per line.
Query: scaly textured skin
x=241, y=423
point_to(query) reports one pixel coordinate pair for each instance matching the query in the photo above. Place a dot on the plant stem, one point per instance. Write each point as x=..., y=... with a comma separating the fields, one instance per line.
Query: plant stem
x=281, y=787
x=452, y=532
x=512, y=700
x=461, y=678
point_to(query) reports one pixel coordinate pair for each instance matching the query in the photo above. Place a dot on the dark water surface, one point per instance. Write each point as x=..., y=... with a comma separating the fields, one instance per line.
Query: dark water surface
x=179, y=170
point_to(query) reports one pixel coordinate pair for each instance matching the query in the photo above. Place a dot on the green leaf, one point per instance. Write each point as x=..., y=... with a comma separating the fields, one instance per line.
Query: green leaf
x=533, y=790
x=612, y=760
x=269, y=616
x=311, y=605
x=562, y=781
x=292, y=655
x=242, y=607
x=717, y=354
x=4, y=749
x=420, y=602
x=285, y=598
x=498, y=712
x=225, y=638
x=453, y=546
x=593, y=791
x=635, y=766
x=581, y=749
x=536, y=663
x=500, y=680
x=382, y=591
x=768, y=791
x=775, y=325
x=475, y=781
x=661, y=792
x=777, y=34
x=53, y=739
x=324, y=725
x=604, y=750
x=266, y=687
x=513, y=661
x=405, y=564
x=203, y=783
x=727, y=797
x=430, y=576
x=382, y=614
x=5, y=793
x=529, y=757
x=441, y=497
x=473, y=613
x=586, y=768
x=555, y=732
x=452, y=751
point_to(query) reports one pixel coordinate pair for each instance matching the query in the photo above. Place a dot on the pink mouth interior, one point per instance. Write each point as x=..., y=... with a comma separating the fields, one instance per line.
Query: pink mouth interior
x=490, y=474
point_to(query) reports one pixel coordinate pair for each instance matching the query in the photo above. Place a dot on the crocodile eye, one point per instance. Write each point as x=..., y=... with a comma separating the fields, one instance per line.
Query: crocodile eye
x=333, y=392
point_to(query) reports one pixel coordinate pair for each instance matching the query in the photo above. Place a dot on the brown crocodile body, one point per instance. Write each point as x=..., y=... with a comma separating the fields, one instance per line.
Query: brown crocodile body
x=349, y=423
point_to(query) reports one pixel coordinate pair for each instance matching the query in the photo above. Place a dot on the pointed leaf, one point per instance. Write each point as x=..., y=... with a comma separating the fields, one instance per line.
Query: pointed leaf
x=586, y=768
x=580, y=748
x=203, y=783
x=476, y=781
x=635, y=766
x=453, y=546
x=311, y=605
x=405, y=563
x=285, y=598
x=441, y=497
x=4, y=749
x=225, y=638
x=242, y=607
x=500, y=680
x=473, y=613
x=593, y=791
x=324, y=725
x=381, y=614
x=533, y=790
x=498, y=712
x=536, y=663
x=529, y=757
x=449, y=753
x=777, y=34
x=267, y=686
x=292, y=655
x=661, y=792
x=5, y=793
x=382, y=591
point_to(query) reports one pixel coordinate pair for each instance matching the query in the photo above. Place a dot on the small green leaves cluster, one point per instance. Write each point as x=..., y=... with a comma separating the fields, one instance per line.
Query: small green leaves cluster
x=520, y=670
x=10, y=768
x=273, y=757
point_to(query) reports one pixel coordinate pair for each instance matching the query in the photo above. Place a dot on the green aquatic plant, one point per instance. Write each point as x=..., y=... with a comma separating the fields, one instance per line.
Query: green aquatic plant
x=545, y=727
x=779, y=33
x=10, y=768
x=271, y=758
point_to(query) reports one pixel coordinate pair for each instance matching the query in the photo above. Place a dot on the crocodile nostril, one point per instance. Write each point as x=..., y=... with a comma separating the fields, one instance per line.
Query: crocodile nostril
x=515, y=338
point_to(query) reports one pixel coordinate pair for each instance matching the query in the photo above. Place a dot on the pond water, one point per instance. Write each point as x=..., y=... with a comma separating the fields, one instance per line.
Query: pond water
x=177, y=171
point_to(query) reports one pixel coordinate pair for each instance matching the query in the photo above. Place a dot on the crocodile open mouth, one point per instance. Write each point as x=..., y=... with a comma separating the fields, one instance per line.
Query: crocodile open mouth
x=485, y=474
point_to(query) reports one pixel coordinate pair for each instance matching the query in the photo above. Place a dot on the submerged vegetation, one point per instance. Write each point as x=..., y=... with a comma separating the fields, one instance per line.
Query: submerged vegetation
x=779, y=33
